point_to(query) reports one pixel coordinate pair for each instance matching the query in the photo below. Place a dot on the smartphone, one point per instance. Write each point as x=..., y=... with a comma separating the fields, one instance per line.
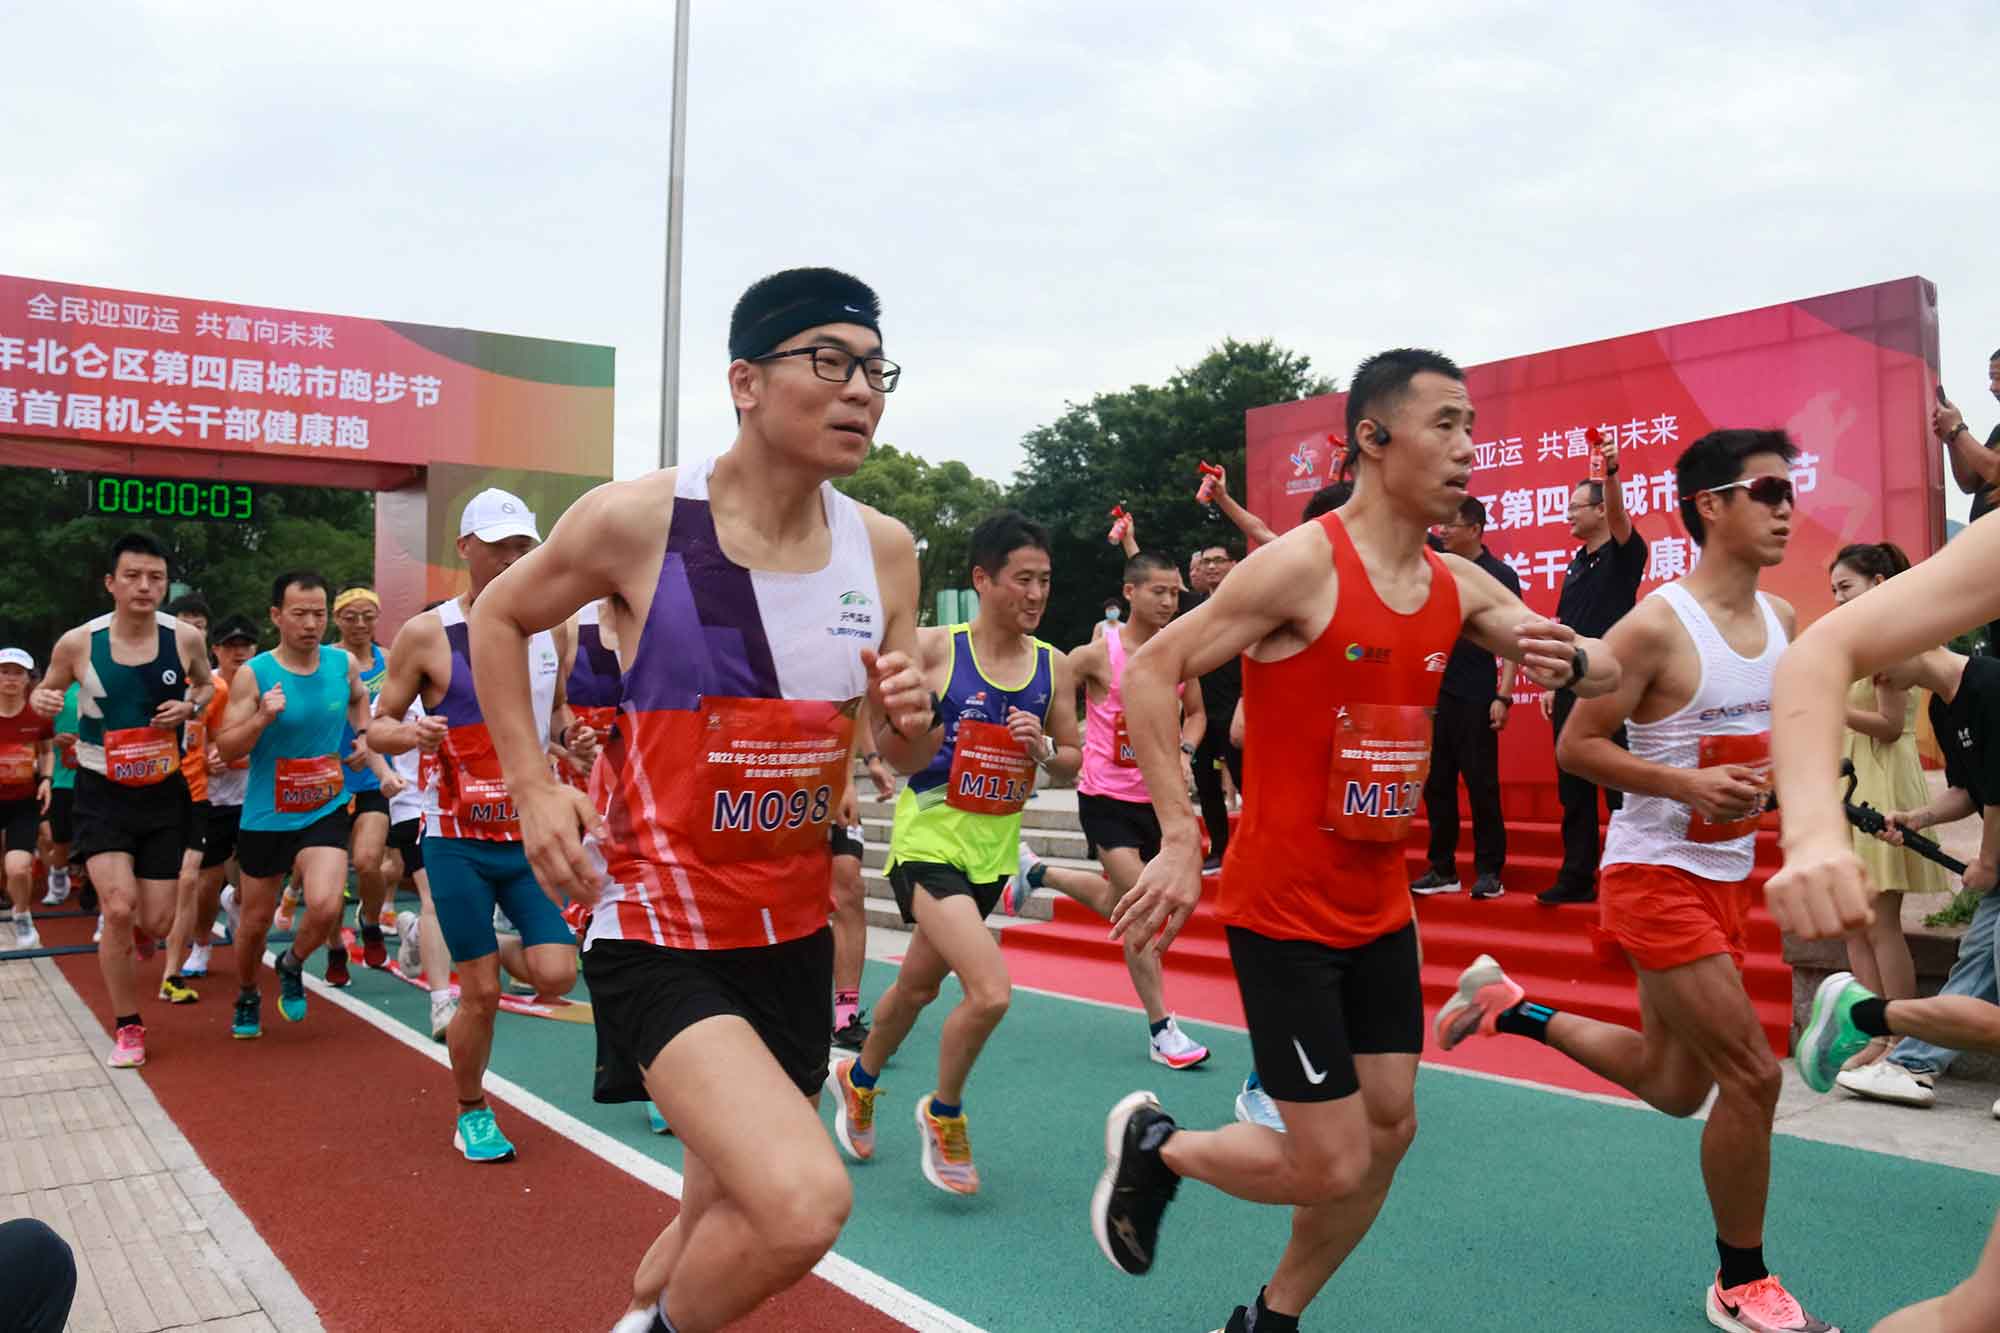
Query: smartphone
x=1942, y=400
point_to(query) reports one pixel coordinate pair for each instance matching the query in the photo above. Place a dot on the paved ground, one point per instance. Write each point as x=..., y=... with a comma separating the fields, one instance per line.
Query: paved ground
x=88, y=1150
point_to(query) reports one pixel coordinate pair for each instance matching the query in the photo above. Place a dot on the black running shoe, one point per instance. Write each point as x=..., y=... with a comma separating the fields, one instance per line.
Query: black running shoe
x=291, y=988
x=854, y=1035
x=1238, y=1322
x=337, y=974
x=1487, y=887
x=1136, y=1187
x=248, y=1024
x=1567, y=893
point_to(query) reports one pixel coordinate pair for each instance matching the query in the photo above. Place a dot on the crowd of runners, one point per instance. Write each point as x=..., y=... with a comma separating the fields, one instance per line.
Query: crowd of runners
x=630, y=748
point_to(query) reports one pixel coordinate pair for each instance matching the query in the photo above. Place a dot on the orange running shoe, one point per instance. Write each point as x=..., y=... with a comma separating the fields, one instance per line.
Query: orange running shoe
x=1484, y=991
x=947, y=1150
x=853, y=1112
x=1763, y=1306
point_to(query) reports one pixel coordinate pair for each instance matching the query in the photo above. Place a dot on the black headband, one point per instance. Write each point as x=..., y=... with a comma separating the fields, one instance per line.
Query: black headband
x=772, y=327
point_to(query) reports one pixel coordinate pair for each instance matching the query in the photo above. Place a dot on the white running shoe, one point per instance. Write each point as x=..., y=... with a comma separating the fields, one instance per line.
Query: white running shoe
x=444, y=1007
x=25, y=934
x=409, y=948
x=58, y=888
x=232, y=910
x=97, y=936
x=1887, y=1081
x=1175, y=1049
x=634, y=1321
x=197, y=961
x=1255, y=1107
x=1996, y=1110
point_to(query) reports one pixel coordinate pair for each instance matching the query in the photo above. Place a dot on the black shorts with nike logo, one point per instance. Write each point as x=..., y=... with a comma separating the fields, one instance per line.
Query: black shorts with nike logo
x=1311, y=1008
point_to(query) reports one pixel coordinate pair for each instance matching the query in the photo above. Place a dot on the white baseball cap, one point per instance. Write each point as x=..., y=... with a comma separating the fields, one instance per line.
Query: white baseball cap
x=494, y=515
x=17, y=657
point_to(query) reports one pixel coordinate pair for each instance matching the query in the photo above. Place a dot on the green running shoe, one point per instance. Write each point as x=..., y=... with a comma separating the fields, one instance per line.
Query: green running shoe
x=291, y=988
x=1830, y=1038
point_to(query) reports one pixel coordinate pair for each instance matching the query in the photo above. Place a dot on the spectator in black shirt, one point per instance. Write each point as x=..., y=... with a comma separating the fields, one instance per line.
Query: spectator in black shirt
x=1601, y=586
x=1976, y=470
x=1220, y=690
x=1465, y=734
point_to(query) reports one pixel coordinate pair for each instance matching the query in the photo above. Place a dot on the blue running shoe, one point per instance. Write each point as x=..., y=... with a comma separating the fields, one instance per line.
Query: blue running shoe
x=291, y=989
x=479, y=1138
x=655, y=1121
x=248, y=1024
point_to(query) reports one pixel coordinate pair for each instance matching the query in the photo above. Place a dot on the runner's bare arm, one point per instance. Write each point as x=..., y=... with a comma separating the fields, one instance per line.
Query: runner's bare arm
x=63, y=659
x=1501, y=623
x=1194, y=714
x=1823, y=890
x=601, y=546
x=243, y=720
x=357, y=701
x=1274, y=589
x=1646, y=637
x=411, y=658
x=897, y=688
x=194, y=658
x=1253, y=528
x=1062, y=766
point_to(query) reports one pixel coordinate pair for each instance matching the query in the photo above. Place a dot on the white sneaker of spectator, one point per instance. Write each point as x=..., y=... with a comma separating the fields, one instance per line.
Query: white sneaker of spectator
x=1887, y=1081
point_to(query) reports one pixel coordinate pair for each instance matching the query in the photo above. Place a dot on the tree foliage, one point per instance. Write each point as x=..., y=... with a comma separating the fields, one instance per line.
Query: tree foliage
x=940, y=502
x=55, y=553
x=1140, y=448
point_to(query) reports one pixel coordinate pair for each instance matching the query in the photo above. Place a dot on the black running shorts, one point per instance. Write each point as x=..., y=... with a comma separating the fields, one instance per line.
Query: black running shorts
x=18, y=822
x=940, y=881
x=847, y=840
x=1109, y=822
x=153, y=825
x=371, y=802
x=267, y=853
x=219, y=844
x=644, y=995
x=62, y=814
x=197, y=839
x=1311, y=1009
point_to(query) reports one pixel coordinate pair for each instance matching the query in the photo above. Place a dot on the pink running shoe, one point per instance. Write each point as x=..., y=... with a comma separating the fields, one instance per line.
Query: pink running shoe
x=128, y=1050
x=1483, y=991
x=1763, y=1306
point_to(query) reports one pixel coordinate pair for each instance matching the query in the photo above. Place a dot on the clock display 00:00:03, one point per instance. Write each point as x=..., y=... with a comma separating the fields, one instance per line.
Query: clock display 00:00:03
x=149, y=497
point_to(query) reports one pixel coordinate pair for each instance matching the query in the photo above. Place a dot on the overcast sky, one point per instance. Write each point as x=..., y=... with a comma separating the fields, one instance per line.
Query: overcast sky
x=1052, y=199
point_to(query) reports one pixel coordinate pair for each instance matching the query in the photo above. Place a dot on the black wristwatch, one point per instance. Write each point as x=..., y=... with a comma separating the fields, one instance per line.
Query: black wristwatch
x=1187, y=749
x=1961, y=426
x=1579, y=667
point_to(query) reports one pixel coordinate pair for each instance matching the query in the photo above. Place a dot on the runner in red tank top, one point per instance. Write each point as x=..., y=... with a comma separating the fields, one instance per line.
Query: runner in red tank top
x=1338, y=621
x=756, y=608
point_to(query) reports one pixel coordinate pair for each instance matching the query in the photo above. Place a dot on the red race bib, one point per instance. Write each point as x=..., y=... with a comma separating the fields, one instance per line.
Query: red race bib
x=140, y=756
x=1752, y=751
x=990, y=773
x=66, y=751
x=302, y=785
x=769, y=776
x=1121, y=744
x=1375, y=780
x=17, y=769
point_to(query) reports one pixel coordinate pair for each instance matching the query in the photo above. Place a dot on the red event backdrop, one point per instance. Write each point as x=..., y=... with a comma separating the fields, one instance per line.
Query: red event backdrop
x=1850, y=375
x=96, y=379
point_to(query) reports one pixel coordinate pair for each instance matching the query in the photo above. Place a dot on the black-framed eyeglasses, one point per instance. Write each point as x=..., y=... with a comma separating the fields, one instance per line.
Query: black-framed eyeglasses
x=836, y=366
x=1772, y=491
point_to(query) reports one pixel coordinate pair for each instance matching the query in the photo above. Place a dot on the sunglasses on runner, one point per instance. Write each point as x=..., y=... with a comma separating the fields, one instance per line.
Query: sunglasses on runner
x=1772, y=491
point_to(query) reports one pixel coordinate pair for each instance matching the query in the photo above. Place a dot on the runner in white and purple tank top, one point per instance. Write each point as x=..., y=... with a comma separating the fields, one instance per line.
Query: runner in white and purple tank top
x=750, y=601
x=473, y=857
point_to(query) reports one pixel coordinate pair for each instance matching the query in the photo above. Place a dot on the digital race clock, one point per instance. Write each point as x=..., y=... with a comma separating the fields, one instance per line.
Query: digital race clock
x=164, y=497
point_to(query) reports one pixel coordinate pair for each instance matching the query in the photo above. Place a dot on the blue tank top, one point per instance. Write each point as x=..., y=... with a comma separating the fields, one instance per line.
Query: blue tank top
x=363, y=778
x=290, y=785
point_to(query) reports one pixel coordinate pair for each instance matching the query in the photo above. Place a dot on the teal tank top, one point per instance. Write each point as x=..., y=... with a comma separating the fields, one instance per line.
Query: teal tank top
x=116, y=697
x=296, y=777
x=372, y=675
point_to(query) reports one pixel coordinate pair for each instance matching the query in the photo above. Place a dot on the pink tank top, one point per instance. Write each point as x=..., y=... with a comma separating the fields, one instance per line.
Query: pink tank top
x=1109, y=768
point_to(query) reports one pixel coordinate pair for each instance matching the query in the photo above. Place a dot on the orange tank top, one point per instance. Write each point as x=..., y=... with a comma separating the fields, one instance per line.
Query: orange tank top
x=199, y=732
x=1335, y=749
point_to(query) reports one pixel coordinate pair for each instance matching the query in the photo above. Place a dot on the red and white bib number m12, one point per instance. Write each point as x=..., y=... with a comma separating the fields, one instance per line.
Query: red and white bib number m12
x=1375, y=780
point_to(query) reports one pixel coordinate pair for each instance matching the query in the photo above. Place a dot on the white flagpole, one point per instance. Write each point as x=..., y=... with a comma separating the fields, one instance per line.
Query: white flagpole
x=670, y=351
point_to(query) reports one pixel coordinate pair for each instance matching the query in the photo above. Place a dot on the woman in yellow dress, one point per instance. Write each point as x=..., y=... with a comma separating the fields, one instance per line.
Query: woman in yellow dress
x=1882, y=742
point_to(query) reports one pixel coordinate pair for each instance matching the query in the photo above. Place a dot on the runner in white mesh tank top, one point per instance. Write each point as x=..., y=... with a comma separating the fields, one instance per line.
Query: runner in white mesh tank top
x=1696, y=695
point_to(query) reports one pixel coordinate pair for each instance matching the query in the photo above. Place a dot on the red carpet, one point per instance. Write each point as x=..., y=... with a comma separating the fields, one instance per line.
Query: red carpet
x=330, y=1136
